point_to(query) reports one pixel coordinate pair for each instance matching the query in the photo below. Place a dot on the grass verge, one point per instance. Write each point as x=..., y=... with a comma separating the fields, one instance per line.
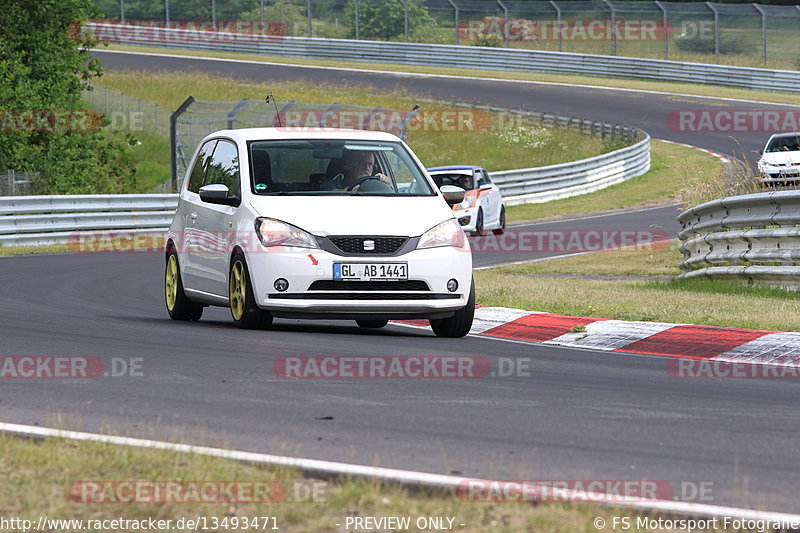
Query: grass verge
x=713, y=91
x=574, y=286
x=669, y=166
x=44, y=479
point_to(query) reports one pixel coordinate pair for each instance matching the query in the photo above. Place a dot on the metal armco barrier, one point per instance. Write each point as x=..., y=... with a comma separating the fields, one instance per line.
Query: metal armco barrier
x=753, y=238
x=542, y=184
x=41, y=220
x=468, y=57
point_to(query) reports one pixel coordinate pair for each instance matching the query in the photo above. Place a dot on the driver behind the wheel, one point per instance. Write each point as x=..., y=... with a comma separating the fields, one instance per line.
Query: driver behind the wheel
x=356, y=164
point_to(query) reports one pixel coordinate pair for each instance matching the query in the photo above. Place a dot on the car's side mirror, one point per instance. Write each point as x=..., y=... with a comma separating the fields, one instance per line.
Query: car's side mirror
x=453, y=195
x=760, y=152
x=485, y=185
x=218, y=194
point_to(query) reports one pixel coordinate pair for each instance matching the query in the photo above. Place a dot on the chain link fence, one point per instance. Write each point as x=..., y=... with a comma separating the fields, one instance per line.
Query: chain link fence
x=738, y=34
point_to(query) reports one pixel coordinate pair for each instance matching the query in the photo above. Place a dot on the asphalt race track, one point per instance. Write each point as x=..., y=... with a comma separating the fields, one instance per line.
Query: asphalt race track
x=578, y=415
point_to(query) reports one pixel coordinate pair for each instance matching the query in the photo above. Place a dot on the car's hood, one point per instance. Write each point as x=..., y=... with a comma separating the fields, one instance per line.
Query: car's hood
x=356, y=215
x=781, y=158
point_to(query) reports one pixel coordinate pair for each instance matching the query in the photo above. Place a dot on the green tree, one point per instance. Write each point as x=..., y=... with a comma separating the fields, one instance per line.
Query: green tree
x=45, y=64
x=385, y=19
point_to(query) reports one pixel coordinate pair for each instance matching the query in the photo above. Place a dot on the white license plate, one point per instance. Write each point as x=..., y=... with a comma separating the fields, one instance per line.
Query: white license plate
x=370, y=271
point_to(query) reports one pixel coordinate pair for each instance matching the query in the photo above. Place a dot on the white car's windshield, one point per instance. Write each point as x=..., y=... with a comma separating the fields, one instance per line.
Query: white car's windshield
x=783, y=144
x=335, y=167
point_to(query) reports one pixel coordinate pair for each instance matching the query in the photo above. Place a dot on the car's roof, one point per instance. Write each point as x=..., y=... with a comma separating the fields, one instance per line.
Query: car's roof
x=270, y=134
x=451, y=168
x=784, y=135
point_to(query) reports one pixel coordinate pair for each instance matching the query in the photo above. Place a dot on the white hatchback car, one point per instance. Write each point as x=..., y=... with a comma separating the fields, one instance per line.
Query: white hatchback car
x=337, y=224
x=780, y=159
x=482, y=207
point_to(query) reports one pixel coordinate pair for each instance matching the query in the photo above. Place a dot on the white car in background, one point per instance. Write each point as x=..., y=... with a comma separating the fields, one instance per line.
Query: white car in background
x=275, y=223
x=482, y=207
x=780, y=159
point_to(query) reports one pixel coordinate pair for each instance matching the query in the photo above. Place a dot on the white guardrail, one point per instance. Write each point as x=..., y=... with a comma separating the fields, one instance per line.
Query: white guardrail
x=41, y=220
x=752, y=237
x=467, y=57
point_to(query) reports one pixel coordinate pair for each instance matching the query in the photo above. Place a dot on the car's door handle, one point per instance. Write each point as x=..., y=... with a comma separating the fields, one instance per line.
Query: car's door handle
x=193, y=216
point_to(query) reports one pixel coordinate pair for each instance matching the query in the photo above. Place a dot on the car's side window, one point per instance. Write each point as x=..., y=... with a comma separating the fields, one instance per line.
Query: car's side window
x=483, y=177
x=224, y=168
x=200, y=165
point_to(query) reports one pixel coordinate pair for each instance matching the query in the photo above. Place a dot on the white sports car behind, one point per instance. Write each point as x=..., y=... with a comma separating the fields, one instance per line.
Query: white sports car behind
x=482, y=207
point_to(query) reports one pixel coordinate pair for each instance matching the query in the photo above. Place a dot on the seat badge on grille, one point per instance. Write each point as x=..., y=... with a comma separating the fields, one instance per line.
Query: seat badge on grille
x=369, y=245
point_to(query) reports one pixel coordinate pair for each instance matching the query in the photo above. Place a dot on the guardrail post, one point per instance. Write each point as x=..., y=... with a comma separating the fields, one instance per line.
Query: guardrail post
x=666, y=31
x=763, y=31
x=558, y=24
x=173, y=133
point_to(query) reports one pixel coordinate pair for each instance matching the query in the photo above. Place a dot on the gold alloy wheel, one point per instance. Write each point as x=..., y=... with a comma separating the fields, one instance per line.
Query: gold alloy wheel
x=171, y=282
x=238, y=286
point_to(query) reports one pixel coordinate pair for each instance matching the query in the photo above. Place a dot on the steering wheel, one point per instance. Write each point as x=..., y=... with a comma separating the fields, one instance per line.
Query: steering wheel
x=362, y=180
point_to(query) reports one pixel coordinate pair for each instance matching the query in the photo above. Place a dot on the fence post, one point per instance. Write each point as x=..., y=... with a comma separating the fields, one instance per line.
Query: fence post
x=558, y=24
x=262, y=12
x=763, y=31
x=173, y=131
x=122, y=11
x=235, y=111
x=505, y=22
x=455, y=9
x=716, y=29
x=613, y=27
x=666, y=30
x=358, y=29
x=11, y=183
x=310, y=29
x=166, y=12
x=214, y=14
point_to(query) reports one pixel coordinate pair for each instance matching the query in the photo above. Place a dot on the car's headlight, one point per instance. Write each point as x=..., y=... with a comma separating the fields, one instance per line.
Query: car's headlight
x=470, y=200
x=448, y=233
x=273, y=232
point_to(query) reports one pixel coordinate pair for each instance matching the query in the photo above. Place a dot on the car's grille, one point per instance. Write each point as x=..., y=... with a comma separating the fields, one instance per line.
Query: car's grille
x=332, y=285
x=364, y=296
x=355, y=245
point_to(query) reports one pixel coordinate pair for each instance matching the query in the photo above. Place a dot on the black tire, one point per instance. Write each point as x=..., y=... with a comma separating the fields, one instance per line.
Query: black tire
x=502, y=227
x=178, y=305
x=479, y=222
x=244, y=311
x=460, y=323
x=372, y=324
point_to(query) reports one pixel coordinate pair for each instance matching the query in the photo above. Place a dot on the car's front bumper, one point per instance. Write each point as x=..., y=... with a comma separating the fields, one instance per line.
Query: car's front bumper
x=780, y=174
x=302, y=267
x=467, y=218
